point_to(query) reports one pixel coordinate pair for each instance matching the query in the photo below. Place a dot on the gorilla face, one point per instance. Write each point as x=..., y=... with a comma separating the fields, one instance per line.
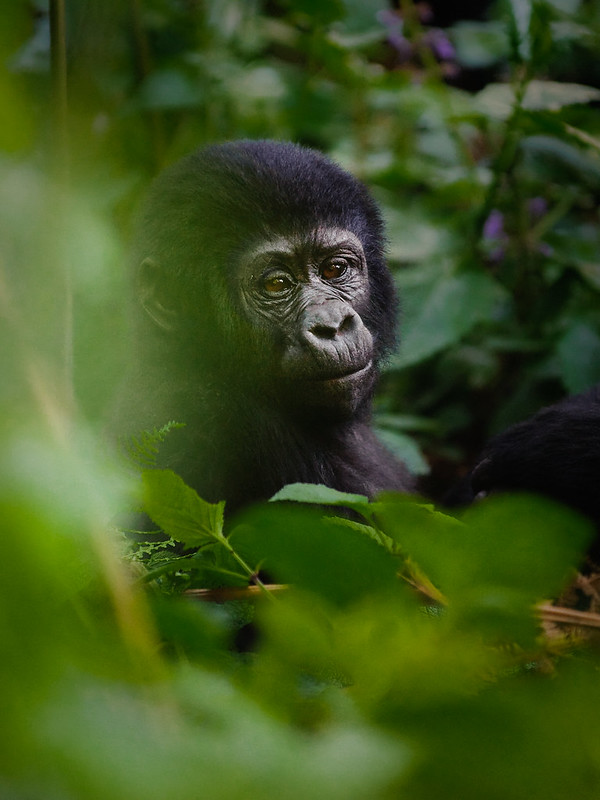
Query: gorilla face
x=307, y=292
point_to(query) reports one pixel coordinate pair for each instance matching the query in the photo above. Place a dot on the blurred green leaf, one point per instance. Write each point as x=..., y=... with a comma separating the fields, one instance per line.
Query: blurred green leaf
x=489, y=567
x=404, y=448
x=578, y=352
x=299, y=546
x=498, y=100
x=169, y=89
x=320, y=494
x=178, y=511
x=562, y=160
x=479, y=44
x=453, y=305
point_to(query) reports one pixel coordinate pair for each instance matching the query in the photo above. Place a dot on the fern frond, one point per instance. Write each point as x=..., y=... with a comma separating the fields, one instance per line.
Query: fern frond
x=142, y=449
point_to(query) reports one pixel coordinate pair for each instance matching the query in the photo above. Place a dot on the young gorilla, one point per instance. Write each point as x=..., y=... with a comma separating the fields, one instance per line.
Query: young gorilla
x=265, y=308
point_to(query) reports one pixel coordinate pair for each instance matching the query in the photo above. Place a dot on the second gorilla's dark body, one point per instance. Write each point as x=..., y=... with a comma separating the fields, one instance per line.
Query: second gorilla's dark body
x=554, y=453
x=265, y=309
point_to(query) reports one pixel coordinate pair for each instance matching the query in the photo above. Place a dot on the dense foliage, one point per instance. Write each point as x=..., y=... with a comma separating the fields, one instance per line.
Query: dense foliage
x=393, y=652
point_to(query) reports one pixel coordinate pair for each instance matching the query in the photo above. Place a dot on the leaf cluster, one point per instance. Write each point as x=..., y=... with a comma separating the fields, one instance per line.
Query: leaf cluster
x=395, y=649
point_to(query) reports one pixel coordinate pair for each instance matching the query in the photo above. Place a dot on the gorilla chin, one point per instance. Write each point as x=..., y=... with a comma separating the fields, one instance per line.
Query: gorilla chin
x=335, y=398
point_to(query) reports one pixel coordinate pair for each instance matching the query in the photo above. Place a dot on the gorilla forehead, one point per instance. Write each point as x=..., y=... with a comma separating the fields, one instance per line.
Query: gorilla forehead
x=294, y=188
x=227, y=194
x=306, y=246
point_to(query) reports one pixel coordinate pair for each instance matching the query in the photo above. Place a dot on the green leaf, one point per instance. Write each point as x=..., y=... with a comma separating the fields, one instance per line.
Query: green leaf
x=578, y=354
x=506, y=554
x=300, y=546
x=169, y=89
x=554, y=95
x=179, y=511
x=319, y=494
x=405, y=448
x=453, y=305
x=561, y=160
x=143, y=449
x=497, y=100
x=479, y=44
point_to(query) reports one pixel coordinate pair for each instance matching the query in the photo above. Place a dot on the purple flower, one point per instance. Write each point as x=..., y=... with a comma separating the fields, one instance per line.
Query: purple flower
x=494, y=235
x=440, y=45
x=537, y=207
x=493, y=227
x=400, y=44
x=395, y=25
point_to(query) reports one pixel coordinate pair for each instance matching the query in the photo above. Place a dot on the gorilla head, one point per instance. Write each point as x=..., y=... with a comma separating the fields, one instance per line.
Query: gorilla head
x=265, y=307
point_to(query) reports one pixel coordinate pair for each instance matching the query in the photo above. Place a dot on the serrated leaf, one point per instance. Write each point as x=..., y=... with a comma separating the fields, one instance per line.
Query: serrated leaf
x=178, y=509
x=300, y=546
x=318, y=494
x=553, y=95
x=497, y=100
x=368, y=530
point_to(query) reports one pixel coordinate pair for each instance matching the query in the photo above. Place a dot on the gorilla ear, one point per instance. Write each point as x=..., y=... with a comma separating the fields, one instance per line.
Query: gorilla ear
x=156, y=296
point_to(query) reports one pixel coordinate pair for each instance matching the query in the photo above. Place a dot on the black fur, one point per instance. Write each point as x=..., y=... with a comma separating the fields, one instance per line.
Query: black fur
x=218, y=367
x=554, y=453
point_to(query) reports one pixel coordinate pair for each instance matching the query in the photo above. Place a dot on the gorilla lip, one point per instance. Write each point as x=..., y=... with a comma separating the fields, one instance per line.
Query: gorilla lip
x=346, y=376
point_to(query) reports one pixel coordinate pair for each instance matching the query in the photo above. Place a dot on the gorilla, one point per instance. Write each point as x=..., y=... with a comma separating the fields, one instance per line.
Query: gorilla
x=264, y=309
x=555, y=453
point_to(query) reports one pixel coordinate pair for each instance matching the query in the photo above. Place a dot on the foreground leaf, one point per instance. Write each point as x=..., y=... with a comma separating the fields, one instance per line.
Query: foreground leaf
x=179, y=511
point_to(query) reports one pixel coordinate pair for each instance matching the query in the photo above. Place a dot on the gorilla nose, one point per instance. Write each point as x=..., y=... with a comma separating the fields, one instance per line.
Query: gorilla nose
x=328, y=321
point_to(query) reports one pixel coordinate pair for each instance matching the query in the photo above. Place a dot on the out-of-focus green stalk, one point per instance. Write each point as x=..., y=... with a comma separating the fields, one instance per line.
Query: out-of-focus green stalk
x=60, y=169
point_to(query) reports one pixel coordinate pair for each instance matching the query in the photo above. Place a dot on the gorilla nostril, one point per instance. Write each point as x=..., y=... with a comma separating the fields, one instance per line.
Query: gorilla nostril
x=322, y=331
x=329, y=329
x=348, y=324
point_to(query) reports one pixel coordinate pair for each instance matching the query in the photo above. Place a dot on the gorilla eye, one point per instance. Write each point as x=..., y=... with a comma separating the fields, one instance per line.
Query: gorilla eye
x=331, y=270
x=276, y=284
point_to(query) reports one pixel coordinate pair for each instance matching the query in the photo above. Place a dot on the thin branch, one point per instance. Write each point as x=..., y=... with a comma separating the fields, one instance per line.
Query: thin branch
x=60, y=168
x=568, y=616
x=226, y=593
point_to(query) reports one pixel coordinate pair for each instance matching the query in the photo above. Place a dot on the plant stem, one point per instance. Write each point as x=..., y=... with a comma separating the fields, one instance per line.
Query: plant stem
x=247, y=569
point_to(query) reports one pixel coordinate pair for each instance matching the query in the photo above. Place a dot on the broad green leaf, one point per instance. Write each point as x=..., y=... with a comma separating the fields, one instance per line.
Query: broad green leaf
x=413, y=235
x=300, y=546
x=508, y=553
x=405, y=448
x=499, y=542
x=178, y=509
x=479, y=44
x=361, y=16
x=319, y=494
x=169, y=89
x=554, y=95
x=578, y=354
x=562, y=160
x=453, y=305
x=497, y=100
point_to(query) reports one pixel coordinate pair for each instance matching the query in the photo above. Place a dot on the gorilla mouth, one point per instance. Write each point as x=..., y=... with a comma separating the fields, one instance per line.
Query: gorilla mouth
x=349, y=375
